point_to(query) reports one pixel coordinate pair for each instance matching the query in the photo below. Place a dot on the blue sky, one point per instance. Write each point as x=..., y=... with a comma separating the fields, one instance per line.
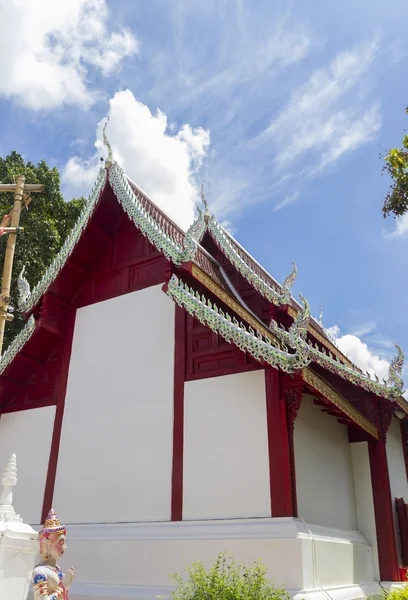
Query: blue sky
x=282, y=108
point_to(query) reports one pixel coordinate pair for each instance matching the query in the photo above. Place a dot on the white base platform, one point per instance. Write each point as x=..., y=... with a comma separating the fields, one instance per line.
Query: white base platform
x=134, y=560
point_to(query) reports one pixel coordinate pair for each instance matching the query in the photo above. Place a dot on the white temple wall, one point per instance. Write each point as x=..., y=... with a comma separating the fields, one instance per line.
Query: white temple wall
x=28, y=434
x=324, y=476
x=116, y=441
x=363, y=493
x=396, y=463
x=226, y=462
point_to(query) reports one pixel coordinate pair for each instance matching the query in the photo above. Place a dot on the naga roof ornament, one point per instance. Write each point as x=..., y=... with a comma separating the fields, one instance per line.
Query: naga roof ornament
x=109, y=159
x=395, y=371
x=299, y=326
x=205, y=203
x=296, y=338
x=320, y=319
x=24, y=291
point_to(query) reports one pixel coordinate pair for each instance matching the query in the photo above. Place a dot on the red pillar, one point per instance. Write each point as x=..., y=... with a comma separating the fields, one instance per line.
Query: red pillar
x=59, y=415
x=383, y=501
x=404, y=440
x=178, y=418
x=281, y=406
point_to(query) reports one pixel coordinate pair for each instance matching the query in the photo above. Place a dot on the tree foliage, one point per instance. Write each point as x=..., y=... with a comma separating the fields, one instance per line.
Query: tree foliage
x=396, y=164
x=226, y=580
x=47, y=221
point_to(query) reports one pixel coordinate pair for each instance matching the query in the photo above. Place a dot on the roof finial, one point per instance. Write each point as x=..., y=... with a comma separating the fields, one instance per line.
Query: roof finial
x=206, y=212
x=109, y=159
x=395, y=370
x=321, y=316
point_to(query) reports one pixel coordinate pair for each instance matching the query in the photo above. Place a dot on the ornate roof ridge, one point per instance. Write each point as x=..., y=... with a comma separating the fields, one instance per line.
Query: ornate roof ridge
x=169, y=239
x=157, y=233
x=59, y=261
x=297, y=333
x=274, y=348
x=226, y=243
x=17, y=344
x=241, y=259
x=246, y=339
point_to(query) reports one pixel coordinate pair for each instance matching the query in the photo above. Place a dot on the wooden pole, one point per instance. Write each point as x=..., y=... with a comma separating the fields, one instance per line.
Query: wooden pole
x=9, y=256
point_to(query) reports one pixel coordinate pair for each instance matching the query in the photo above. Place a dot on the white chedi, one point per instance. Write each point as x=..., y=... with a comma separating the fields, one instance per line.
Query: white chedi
x=18, y=541
x=8, y=481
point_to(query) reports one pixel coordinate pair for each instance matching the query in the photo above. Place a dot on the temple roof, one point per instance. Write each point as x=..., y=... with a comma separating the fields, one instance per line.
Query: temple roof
x=289, y=349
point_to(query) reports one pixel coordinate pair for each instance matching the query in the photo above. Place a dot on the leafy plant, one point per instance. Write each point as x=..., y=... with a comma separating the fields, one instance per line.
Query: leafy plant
x=397, y=594
x=226, y=580
x=396, y=164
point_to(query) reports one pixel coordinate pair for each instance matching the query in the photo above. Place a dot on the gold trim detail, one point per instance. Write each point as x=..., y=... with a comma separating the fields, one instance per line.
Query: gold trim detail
x=292, y=312
x=233, y=304
x=338, y=400
x=402, y=403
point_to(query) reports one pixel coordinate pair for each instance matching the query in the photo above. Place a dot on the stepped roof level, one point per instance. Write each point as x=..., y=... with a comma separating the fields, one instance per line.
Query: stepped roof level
x=205, y=263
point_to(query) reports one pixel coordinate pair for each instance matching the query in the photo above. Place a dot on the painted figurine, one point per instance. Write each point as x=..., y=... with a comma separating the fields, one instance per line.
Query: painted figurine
x=49, y=582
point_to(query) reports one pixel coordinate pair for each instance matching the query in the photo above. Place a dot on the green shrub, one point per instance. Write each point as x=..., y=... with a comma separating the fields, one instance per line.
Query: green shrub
x=397, y=594
x=226, y=580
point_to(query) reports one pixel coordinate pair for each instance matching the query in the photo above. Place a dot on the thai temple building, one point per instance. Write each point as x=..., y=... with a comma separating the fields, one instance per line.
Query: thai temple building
x=170, y=400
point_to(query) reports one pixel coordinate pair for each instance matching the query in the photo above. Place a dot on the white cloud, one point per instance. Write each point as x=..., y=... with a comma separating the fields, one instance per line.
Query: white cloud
x=401, y=227
x=290, y=199
x=48, y=46
x=359, y=353
x=163, y=163
x=364, y=328
x=397, y=51
x=328, y=116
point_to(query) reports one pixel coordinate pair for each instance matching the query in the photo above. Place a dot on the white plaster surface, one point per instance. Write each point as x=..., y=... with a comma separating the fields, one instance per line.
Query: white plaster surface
x=294, y=556
x=116, y=442
x=363, y=493
x=324, y=477
x=226, y=463
x=28, y=434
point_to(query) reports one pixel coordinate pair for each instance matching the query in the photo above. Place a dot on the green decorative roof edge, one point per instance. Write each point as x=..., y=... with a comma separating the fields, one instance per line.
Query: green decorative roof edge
x=27, y=303
x=246, y=339
x=278, y=298
x=172, y=250
x=17, y=344
x=389, y=390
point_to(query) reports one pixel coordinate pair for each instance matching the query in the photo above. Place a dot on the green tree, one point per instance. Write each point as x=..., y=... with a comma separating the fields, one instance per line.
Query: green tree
x=226, y=580
x=396, y=164
x=47, y=221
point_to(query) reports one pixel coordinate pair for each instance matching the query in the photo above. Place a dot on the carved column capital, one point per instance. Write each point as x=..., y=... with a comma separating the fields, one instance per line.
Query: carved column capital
x=293, y=398
x=385, y=414
x=292, y=391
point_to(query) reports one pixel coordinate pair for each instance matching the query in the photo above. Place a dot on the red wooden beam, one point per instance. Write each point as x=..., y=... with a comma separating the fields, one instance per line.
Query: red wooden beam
x=404, y=440
x=59, y=415
x=178, y=419
x=383, y=509
x=280, y=418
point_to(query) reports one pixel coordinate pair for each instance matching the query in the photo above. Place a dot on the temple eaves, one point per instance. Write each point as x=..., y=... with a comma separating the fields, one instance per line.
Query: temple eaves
x=182, y=249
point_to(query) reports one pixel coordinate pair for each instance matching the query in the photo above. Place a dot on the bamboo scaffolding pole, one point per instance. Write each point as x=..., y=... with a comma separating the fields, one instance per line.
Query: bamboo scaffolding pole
x=9, y=256
x=28, y=187
x=22, y=198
